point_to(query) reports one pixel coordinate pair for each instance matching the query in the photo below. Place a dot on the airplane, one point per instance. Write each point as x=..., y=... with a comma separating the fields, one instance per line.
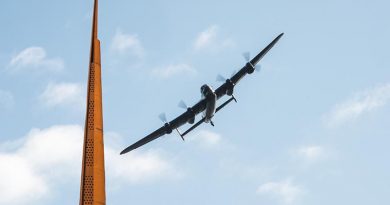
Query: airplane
x=207, y=104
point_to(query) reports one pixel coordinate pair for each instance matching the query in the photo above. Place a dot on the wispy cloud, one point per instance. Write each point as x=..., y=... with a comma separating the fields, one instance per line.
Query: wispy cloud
x=205, y=138
x=206, y=38
x=46, y=158
x=311, y=153
x=359, y=104
x=6, y=100
x=35, y=58
x=173, y=70
x=209, y=39
x=127, y=43
x=139, y=167
x=285, y=191
x=57, y=94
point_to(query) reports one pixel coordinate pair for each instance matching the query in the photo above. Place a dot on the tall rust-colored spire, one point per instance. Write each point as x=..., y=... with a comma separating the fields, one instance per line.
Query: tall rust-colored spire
x=95, y=43
x=92, y=187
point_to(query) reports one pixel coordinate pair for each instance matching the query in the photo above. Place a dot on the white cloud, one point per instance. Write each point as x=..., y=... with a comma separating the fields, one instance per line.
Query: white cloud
x=137, y=167
x=6, y=99
x=57, y=146
x=18, y=182
x=205, y=138
x=64, y=94
x=285, y=191
x=359, y=104
x=46, y=158
x=43, y=157
x=127, y=43
x=206, y=38
x=172, y=70
x=35, y=58
x=311, y=153
x=210, y=40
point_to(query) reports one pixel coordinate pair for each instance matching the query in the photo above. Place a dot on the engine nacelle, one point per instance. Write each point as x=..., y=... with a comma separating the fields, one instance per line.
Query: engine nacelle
x=230, y=92
x=191, y=113
x=229, y=87
x=249, y=68
x=168, y=128
x=191, y=120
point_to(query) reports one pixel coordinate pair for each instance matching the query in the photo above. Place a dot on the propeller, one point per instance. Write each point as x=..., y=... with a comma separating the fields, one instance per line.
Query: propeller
x=220, y=78
x=163, y=117
x=182, y=104
x=257, y=68
x=247, y=57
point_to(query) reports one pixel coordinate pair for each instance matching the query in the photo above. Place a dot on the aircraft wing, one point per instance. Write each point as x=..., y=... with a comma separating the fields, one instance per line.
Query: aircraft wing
x=248, y=68
x=168, y=127
x=152, y=136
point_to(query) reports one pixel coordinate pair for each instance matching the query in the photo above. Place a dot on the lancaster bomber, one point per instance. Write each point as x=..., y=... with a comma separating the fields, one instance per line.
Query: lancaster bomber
x=207, y=104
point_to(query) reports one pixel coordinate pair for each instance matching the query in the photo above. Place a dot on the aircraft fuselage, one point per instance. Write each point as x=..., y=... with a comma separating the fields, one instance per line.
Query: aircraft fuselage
x=211, y=98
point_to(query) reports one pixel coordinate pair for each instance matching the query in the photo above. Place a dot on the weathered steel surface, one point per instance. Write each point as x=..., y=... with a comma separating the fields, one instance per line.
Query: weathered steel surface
x=92, y=187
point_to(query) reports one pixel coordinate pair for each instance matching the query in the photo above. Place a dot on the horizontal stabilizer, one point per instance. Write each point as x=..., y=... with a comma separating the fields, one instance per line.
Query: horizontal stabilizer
x=203, y=119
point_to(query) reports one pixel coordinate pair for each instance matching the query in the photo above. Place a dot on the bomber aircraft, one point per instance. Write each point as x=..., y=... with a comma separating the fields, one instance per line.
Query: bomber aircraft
x=207, y=104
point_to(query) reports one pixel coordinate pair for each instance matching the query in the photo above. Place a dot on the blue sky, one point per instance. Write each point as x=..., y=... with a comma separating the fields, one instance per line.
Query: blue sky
x=311, y=128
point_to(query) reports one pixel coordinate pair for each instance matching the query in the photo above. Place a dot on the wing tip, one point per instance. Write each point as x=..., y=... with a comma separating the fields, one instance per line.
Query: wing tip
x=125, y=151
x=279, y=36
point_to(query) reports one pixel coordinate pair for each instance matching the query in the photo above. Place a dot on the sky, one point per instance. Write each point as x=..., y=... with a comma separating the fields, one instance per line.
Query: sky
x=312, y=127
